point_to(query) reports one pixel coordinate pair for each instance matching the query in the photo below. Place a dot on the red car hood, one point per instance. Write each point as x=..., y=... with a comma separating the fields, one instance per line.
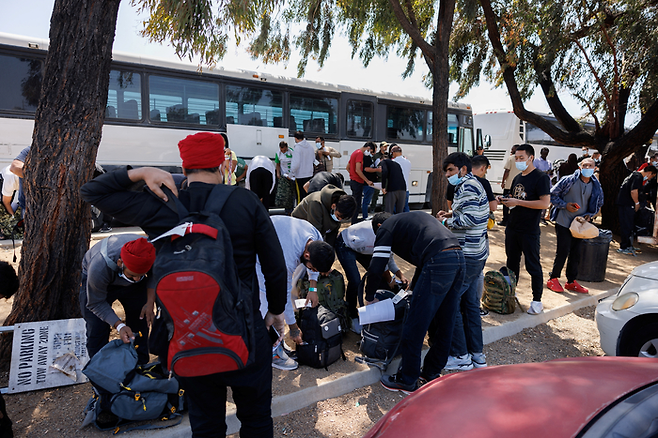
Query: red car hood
x=551, y=399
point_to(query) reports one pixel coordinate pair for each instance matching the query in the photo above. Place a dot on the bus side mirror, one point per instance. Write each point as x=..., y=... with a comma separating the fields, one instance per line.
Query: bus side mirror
x=487, y=141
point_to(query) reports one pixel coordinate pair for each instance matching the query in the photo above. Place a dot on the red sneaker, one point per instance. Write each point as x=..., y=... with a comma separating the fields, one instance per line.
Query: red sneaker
x=554, y=285
x=575, y=287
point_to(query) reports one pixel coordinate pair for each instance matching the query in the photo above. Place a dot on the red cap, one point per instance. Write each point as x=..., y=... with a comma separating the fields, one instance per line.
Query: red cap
x=138, y=255
x=203, y=150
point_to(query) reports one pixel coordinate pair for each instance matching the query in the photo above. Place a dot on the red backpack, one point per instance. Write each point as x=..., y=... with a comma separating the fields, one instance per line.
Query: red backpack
x=207, y=310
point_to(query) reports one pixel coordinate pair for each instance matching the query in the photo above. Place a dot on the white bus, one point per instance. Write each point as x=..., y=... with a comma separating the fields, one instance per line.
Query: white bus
x=152, y=104
x=502, y=129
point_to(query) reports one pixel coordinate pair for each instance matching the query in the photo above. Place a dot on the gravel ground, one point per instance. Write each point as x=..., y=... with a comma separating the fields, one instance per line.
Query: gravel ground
x=58, y=412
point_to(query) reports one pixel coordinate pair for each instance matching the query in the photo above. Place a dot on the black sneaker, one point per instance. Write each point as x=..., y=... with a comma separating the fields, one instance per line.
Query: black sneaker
x=502, y=223
x=391, y=383
x=483, y=311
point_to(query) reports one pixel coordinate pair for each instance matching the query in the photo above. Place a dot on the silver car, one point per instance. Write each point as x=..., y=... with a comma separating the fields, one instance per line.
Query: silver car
x=628, y=320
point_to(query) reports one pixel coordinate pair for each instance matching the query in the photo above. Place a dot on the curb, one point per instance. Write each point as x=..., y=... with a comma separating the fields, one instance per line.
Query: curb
x=285, y=404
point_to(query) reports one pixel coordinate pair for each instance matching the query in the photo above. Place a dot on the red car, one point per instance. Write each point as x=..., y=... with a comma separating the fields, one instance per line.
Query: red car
x=580, y=397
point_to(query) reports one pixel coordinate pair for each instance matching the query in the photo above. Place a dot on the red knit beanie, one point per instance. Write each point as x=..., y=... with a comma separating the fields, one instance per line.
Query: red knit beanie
x=138, y=255
x=203, y=150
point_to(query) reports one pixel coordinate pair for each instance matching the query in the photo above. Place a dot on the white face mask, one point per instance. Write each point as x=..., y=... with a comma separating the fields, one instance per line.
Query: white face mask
x=318, y=145
x=366, y=153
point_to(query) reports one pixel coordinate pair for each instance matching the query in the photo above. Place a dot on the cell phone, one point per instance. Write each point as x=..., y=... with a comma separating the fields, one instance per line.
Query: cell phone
x=576, y=205
x=274, y=335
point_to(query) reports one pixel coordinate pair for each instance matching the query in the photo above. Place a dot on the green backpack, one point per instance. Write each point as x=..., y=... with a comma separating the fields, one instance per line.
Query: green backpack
x=500, y=293
x=331, y=293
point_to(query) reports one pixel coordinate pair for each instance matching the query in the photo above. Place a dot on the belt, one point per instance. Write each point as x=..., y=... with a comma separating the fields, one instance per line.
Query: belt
x=452, y=248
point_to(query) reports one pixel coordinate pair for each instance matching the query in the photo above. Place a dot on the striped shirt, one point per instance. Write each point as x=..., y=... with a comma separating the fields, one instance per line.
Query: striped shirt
x=470, y=213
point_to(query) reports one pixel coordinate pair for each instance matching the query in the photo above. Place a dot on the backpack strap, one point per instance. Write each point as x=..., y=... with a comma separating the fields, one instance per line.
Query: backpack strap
x=217, y=198
x=108, y=261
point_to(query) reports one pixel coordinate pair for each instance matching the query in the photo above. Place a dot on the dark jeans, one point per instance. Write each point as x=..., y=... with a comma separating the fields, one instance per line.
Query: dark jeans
x=517, y=243
x=301, y=193
x=260, y=182
x=132, y=298
x=367, y=197
x=406, y=204
x=626, y=225
x=357, y=193
x=467, y=334
x=506, y=192
x=348, y=258
x=435, y=296
x=567, y=246
x=252, y=394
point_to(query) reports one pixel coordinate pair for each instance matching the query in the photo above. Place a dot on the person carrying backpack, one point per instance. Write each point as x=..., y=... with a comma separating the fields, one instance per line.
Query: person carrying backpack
x=251, y=234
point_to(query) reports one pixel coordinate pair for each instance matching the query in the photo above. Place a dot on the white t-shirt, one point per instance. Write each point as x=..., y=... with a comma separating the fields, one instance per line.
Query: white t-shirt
x=406, y=169
x=360, y=238
x=10, y=184
x=293, y=234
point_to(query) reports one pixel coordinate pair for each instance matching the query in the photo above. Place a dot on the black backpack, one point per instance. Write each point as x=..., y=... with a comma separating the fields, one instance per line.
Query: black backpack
x=207, y=311
x=322, y=336
x=380, y=341
x=125, y=392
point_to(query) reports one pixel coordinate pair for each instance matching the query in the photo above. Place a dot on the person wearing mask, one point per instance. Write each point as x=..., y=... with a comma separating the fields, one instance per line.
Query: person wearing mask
x=529, y=194
x=325, y=155
x=468, y=222
x=577, y=195
x=373, y=172
x=358, y=179
x=325, y=210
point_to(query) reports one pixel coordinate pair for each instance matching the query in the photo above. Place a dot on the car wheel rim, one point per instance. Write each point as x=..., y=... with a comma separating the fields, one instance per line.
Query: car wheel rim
x=649, y=349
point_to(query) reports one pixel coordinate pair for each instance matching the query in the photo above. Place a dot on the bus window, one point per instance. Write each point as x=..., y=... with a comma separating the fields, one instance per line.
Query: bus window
x=253, y=106
x=359, y=119
x=21, y=83
x=124, y=97
x=430, y=127
x=404, y=123
x=183, y=101
x=453, y=128
x=535, y=135
x=312, y=114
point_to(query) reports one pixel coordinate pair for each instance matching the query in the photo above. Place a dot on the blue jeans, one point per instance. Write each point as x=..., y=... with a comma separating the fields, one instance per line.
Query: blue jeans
x=467, y=334
x=435, y=295
x=367, y=197
x=406, y=204
x=348, y=258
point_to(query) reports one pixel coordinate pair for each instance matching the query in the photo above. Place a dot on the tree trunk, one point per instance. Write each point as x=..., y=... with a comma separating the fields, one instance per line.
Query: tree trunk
x=611, y=175
x=440, y=69
x=67, y=130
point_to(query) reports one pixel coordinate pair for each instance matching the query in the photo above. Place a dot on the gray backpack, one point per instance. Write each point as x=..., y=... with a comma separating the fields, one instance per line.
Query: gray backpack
x=125, y=392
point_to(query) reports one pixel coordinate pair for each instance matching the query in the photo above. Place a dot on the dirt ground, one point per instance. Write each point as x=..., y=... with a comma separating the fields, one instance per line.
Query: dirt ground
x=58, y=412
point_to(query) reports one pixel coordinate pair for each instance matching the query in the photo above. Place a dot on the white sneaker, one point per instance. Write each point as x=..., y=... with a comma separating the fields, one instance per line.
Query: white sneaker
x=460, y=363
x=536, y=307
x=479, y=360
x=281, y=361
x=356, y=327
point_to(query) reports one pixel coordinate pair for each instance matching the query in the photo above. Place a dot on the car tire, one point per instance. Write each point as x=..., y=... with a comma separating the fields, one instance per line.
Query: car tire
x=645, y=342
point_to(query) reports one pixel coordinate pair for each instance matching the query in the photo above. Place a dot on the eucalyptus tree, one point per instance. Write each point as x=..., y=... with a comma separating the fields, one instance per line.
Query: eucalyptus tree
x=413, y=30
x=603, y=53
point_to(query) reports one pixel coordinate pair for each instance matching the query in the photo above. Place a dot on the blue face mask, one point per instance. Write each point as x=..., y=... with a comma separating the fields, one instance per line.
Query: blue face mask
x=318, y=145
x=587, y=173
x=521, y=165
x=454, y=179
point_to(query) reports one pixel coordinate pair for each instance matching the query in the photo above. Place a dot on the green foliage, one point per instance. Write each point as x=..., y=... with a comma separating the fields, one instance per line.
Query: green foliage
x=597, y=51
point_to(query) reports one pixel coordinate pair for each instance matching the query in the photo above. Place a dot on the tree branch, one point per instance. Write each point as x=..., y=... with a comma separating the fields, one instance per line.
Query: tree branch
x=413, y=31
